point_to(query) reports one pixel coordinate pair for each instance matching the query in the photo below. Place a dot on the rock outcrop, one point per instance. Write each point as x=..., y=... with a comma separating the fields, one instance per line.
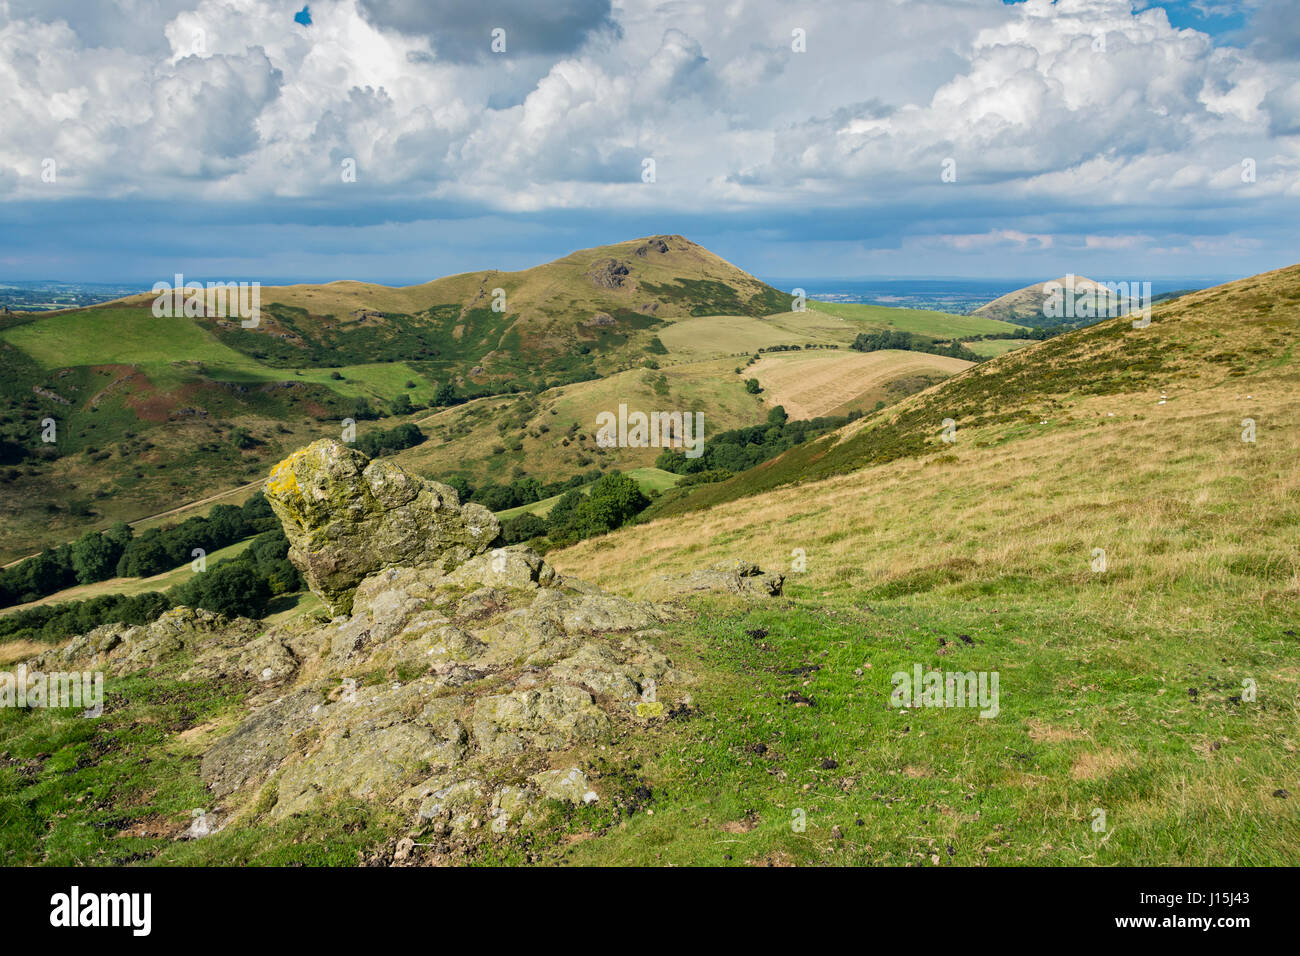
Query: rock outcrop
x=740, y=578
x=347, y=516
x=465, y=685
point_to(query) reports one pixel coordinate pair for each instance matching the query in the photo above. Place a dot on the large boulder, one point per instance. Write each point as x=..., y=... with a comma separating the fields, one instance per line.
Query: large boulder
x=346, y=517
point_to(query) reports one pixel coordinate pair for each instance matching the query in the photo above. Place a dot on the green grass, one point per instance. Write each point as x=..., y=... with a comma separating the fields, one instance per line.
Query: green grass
x=1093, y=714
x=118, y=335
x=991, y=347
x=920, y=321
x=119, y=789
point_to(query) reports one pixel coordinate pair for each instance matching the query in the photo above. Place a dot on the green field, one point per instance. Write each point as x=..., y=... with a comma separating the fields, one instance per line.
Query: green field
x=942, y=325
x=167, y=350
x=705, y=337
x=823, y=323
x=113, y=335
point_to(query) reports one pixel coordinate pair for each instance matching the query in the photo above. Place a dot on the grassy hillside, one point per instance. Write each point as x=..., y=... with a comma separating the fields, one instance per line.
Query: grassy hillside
x=1126, y=689
x=153, y=412
x=988, y=348
x=1148, y=703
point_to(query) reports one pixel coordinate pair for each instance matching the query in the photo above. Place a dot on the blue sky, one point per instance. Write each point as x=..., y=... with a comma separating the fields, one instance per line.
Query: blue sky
x=389, y=140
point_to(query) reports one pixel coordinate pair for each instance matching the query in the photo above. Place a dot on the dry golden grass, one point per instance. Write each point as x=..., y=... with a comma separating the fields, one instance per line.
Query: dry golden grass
x=815, y=383
x=1165, y=490
x=13, y=652
x=1096, y=764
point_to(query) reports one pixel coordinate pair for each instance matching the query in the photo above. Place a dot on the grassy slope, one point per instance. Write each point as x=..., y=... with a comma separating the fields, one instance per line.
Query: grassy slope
x=465, y=440
x=994, y=347
x=993, y=538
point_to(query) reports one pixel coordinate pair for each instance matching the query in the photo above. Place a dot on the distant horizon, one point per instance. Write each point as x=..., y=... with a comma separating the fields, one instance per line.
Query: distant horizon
x=144, y=285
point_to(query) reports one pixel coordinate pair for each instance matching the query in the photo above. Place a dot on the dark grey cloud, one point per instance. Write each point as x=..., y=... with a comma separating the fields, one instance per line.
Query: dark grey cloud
x=1275, y=27
x=462, y=31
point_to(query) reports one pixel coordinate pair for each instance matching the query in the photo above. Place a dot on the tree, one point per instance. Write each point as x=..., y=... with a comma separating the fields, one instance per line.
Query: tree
x=94, y=558
x=402, y=405
x=562, y=513
x=233, y=588
x=444, y=394
x=752, y=386
x=522, y=528
x=613, y=500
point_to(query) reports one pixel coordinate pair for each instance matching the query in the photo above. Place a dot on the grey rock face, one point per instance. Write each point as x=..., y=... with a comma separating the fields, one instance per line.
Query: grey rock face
x=740, y=578
x=347, y=516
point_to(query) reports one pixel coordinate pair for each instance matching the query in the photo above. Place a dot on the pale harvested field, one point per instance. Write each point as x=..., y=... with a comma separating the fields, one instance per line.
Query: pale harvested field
x=704, y=337
x=816, y=383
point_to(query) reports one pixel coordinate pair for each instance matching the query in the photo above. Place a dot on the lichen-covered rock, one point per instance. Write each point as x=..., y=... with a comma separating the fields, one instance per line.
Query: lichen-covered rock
x=516, y=566
x=373, y=742
x=119, y=649
x=549, y=719
x=259, y=745
x=740, y=578
x=346, y=517
x=567, y=786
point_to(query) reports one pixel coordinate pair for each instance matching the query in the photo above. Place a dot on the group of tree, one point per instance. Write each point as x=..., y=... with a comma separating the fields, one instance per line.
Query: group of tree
x=907, y=341
x=1035, y=333
x=241, y=586
x=118, y=552
x=161, y=549
x=387, y=441
x=53, y=622
x=612, y=501
x=521, y=491
x=741, y=448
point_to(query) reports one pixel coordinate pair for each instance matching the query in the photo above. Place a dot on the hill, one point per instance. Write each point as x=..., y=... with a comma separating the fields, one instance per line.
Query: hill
x=150, y=412
x=1026, y=305
x=154, y=412
x=1099, y=533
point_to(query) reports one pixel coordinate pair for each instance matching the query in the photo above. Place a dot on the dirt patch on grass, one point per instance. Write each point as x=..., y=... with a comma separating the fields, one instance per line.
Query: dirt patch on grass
x=1041, y=733
x=1096, y=764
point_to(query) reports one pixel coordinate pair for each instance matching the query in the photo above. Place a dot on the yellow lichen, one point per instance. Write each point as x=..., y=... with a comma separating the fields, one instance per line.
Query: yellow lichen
x=283, y=481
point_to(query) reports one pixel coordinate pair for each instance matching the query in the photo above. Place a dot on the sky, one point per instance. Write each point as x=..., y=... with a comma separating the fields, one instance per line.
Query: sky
x=401, y=140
